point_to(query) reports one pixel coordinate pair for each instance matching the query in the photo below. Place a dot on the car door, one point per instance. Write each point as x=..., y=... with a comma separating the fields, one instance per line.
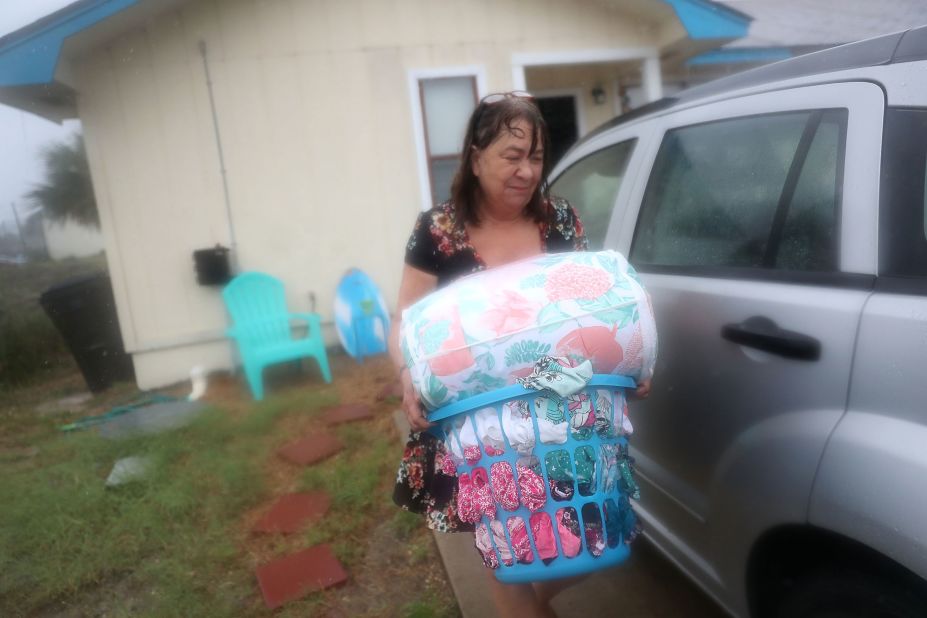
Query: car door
x=754, y=232
x=869, y=485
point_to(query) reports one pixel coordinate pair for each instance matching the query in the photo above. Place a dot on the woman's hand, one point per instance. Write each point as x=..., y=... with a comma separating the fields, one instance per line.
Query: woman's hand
x=411, y=404
x=642, y=391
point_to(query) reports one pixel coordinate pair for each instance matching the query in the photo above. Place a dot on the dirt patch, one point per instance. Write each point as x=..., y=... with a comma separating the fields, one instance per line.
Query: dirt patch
x=397, y=572
x=400, y=565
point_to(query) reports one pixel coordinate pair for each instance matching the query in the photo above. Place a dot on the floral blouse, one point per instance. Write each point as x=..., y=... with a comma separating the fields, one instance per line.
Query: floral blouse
x=440, y=246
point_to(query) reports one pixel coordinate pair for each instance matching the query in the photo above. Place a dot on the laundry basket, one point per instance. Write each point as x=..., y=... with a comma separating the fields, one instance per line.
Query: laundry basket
x=587, y=525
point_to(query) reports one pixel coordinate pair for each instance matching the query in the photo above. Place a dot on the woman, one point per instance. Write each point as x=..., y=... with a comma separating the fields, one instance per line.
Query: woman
x=499, y=212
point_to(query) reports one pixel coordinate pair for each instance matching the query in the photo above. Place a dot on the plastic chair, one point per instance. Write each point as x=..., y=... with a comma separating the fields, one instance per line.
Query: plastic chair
x=261, y=328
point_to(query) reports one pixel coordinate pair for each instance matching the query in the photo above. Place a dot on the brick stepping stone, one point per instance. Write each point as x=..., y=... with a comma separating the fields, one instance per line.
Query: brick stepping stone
x=348, y=413
x=311, y=449
x=291, y=512
x=292, y=577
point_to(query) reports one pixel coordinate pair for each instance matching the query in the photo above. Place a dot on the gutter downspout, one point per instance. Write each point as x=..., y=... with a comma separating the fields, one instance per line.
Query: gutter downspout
x=233, y=243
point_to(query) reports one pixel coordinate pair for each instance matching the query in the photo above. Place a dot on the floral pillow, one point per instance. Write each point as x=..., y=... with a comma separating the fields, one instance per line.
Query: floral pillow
x=482, y=331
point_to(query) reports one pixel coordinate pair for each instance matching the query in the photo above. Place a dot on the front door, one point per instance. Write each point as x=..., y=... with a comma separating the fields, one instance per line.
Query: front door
x=560, y=115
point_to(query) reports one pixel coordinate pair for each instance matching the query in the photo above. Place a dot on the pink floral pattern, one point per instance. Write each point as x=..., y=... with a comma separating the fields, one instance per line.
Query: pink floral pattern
x=472, y=454
x=503, y=485
x=531, y=487
x=520, y=543
x=543, y=532
x=482, y=332
x=510, y=312
x=576, y=281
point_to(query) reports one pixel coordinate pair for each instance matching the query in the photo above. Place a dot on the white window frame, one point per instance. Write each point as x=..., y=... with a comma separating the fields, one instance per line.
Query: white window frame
x=478, y=72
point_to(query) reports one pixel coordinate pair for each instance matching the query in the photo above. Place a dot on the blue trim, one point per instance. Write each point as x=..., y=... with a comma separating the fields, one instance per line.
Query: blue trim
x=585, y=505
x=516, y=390
x=30, y=55
x=709, y=20
x=739, y=55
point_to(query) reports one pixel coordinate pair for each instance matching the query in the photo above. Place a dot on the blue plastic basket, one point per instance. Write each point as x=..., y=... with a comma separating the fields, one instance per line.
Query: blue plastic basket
x=450, y=418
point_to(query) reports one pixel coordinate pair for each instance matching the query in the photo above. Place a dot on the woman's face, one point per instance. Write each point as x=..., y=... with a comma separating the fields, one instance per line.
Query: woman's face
x=508, y=172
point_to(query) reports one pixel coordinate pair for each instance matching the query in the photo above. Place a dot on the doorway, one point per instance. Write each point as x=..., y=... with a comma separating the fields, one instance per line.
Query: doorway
x=560, y=114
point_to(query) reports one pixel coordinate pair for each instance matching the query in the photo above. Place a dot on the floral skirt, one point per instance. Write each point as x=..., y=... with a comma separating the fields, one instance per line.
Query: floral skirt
x=423, y=487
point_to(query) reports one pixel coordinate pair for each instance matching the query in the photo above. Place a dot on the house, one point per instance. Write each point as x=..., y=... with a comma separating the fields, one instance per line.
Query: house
x=305, y=135
x=69, y=239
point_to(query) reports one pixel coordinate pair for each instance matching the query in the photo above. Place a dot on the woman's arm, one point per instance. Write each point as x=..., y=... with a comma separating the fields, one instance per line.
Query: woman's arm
x=414, y=285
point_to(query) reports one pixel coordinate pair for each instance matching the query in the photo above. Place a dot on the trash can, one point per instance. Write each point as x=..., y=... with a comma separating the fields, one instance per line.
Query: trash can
x=83, y=310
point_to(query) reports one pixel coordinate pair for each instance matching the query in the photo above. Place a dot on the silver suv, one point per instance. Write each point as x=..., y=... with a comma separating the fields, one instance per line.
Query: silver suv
x=778, y=220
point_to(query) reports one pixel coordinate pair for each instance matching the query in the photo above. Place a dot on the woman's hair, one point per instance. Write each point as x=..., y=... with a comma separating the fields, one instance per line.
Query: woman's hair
x=486, y=124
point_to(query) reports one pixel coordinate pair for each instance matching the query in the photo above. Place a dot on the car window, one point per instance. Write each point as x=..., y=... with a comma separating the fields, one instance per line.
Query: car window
x=591, y=185
x=903, y=225
x=760, y=192
x=809, y=239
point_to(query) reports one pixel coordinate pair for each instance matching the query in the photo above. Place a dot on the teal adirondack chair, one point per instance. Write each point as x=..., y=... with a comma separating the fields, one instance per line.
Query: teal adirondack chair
x=261, y=328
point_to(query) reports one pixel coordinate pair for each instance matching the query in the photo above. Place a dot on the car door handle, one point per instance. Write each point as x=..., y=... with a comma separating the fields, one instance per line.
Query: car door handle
x=763, y=334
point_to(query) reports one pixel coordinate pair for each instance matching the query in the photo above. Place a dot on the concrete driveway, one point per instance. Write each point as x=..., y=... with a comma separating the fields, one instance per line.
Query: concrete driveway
x=647, y=585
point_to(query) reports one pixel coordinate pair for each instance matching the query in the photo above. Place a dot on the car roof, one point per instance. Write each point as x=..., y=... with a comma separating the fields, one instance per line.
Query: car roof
x=906, y=46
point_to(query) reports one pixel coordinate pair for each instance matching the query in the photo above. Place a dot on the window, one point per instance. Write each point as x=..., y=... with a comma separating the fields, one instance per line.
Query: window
x=756, y=192
x=447, y=103
x=903, y=224
x=591, y=185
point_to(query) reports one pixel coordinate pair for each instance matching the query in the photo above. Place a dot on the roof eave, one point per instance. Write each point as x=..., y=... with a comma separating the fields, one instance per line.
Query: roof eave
x=30, y=55
x=703, y=19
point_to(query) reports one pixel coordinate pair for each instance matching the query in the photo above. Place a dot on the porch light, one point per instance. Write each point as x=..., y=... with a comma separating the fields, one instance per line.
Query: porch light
x=598, y=94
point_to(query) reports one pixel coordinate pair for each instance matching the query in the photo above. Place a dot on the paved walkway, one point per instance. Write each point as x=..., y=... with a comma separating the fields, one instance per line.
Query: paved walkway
x=646, y=586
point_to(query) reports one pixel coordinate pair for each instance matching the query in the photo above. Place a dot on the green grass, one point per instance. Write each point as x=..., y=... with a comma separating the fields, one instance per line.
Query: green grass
x=176, y=543
x=405, y=524
x=429, y=607
x=354, y=478
x=168, y=540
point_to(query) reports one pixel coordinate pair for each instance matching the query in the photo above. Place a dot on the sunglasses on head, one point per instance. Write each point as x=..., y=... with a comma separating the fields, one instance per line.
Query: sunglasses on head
x=489, y=99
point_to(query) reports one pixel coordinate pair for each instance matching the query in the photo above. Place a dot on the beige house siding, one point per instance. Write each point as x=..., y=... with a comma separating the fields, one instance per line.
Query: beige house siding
x=313, y=105
x=582, y=79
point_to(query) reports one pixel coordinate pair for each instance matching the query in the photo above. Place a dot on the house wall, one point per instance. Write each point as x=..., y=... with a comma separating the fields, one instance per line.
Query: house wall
x=69, y=239
x=314, y=112
x=583, y=79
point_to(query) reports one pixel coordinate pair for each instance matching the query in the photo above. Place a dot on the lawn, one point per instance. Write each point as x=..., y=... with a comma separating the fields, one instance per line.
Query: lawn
x=178, y=543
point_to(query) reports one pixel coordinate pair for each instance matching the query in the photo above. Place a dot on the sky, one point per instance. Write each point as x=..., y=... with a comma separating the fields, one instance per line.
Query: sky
x=22, y=135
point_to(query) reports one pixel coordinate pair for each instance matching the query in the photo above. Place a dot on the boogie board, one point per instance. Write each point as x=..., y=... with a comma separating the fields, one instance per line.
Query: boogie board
x=361, y=316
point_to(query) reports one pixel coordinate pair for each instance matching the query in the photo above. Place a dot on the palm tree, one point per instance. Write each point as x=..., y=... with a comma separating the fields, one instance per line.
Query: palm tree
x=67, y=192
